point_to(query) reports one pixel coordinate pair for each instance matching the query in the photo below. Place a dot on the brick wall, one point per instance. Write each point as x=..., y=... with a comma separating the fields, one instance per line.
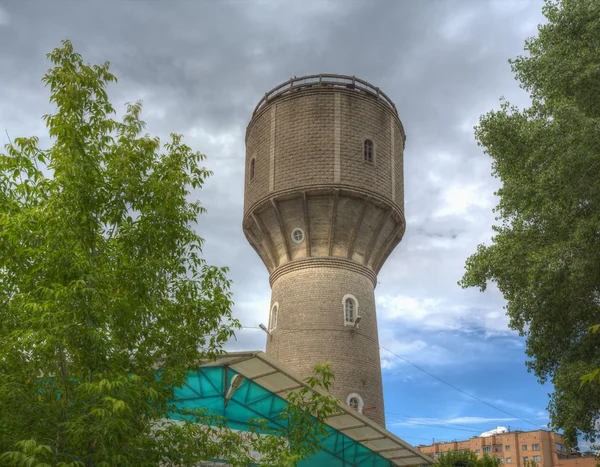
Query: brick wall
x=510, y=448
x=304, y=142
x=310, y=330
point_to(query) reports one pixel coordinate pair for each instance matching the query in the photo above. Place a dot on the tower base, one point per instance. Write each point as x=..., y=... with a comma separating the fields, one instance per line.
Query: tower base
x=309, y=326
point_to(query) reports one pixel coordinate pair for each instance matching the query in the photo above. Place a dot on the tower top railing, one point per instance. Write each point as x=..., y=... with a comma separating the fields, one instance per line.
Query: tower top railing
x=325, y=81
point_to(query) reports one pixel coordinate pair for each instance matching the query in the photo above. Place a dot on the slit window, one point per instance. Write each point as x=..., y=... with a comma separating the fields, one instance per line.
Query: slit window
x=252, y=162
x=273, y=316
x=368, y=151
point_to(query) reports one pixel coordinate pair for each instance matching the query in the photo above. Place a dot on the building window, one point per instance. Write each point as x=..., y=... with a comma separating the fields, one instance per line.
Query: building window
x=477, y=451
x=524, y=447
x=368, y=150
x=355, y=402
x=298, y=235
x=525, y=459
x=252, y=162
x=273, y=316
x=487, y=449
x=507, y=447
x=498, y=448
x=501, y=460
x=350, y=309
x=508, y=460
x=535, y=447
x=560, y=447
x=536, y=458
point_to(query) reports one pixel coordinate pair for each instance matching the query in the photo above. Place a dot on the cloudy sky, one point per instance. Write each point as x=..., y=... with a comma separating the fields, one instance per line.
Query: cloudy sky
x=201, y=66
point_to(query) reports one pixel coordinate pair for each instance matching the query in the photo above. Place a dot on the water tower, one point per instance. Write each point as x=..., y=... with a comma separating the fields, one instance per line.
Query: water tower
x=323, y=208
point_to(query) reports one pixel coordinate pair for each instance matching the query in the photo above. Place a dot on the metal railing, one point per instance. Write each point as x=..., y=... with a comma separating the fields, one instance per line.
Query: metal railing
x=325, y=81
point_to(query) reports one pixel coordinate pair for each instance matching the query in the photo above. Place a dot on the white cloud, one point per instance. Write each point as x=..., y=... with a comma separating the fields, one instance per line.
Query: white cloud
x=458, y=199
x=4, y=18
x=416, y=351
x=440, y=314
x=527, y=409
x=456, y=27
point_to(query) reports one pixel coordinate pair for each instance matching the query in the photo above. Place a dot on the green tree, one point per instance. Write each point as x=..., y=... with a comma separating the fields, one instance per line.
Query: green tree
x=466, y=459
x=101, y=283
x=545, y=255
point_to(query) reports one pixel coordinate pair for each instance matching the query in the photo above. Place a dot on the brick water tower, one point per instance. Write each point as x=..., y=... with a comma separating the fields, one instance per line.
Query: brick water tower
x=323, y=208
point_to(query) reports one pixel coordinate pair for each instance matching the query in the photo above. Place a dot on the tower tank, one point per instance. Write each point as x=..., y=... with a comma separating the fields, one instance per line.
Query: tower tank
x=323, y=208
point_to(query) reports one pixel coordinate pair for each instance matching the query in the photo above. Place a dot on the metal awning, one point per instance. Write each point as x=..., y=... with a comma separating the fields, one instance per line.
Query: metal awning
x=353, y=438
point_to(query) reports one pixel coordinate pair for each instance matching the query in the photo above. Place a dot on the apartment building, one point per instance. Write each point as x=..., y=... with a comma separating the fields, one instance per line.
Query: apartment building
x=516, y=448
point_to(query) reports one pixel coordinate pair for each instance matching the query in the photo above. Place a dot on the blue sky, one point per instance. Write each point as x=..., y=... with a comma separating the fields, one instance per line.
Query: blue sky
x=200, y=67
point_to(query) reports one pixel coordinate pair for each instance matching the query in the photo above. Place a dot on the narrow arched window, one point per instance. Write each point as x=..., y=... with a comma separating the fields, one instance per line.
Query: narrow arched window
x=355, y=402
x=349, y=310
x=368, y=151
x=252, y=169
x=273, y=316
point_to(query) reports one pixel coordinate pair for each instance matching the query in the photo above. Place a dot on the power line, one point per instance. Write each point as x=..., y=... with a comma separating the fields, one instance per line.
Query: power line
x=442, y=381
x=458, y=389
x=413, y=437
x=425, y=419
x=440, y=427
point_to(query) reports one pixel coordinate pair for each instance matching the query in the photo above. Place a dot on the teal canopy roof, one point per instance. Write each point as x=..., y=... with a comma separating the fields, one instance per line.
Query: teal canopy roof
x=354, y=440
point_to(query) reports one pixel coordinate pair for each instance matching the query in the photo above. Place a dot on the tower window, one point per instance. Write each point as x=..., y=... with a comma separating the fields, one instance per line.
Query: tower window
x=355, y=402
x=368, y=150
x=350, y=305
x=252, y=162
x=273, y=316
x=349, y=310
x=297, y=235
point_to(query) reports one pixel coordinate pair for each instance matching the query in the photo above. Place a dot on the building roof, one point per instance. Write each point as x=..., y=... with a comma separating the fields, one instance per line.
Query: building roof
x=490, y=434
x=353, y=438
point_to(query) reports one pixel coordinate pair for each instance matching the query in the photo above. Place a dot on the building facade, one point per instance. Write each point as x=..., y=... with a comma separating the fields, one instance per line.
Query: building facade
x=324, y=208
x=516, y=448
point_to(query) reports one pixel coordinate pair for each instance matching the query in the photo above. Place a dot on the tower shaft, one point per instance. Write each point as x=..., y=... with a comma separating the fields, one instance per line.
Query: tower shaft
x=312, y=328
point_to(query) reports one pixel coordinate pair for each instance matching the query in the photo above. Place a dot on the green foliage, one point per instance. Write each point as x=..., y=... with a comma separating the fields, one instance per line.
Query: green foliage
x=101, y=283
x=545, y=255
x=466, y=459
x=307, y=408
x=595, y=374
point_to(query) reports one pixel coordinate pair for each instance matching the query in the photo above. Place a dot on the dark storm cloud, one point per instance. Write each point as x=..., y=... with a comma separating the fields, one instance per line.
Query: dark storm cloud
x=200, y=68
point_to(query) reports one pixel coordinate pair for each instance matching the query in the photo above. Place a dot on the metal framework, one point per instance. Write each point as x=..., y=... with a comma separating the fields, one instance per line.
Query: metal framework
x=326, y=80
x=352, y=440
